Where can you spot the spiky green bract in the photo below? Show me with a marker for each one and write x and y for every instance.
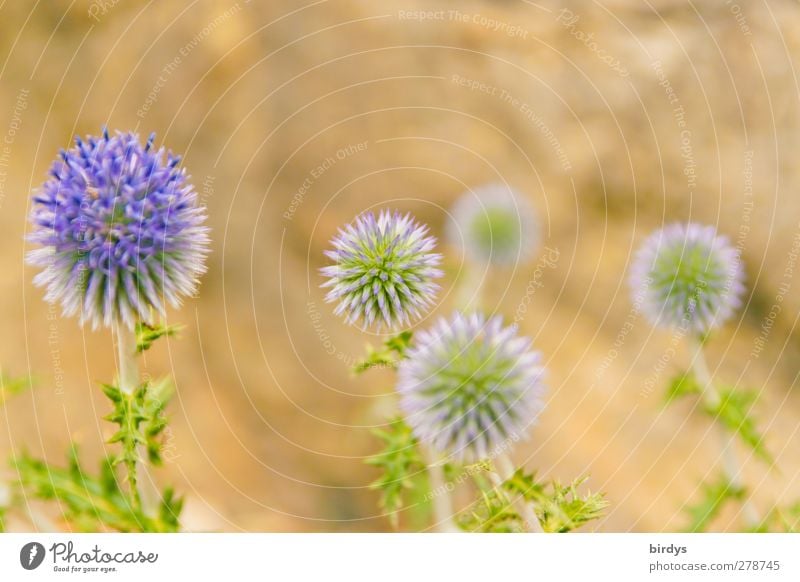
(384, 270)
(389, 356)
(470, 387)
(559, 508)
(685, 276)
(120, 229)
(147, 334)
(495, 225)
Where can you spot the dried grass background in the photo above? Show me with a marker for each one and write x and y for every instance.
(269, 428)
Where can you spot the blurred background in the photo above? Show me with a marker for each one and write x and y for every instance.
(613, 117)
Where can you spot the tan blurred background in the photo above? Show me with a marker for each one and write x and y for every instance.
(613, 116)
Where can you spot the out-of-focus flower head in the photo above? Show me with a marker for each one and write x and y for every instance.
(495, 224)
(684, 275)
(469, 387)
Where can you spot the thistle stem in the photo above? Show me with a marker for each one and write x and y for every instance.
(470, 288)
(128, 367)
(441, 499)
(525, 509)
(128, 381)
(730, 464)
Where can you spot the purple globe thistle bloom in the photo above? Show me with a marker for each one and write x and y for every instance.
(470, 387)
(687, 276)
(495, 225)
(384, 270)
(121, 231)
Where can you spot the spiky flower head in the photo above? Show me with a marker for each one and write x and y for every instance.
(120, 229)
(495, 225)
(384, 270)
(686, 276)
(470, 387)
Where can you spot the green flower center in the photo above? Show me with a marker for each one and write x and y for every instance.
(496, 230)
(687, 273)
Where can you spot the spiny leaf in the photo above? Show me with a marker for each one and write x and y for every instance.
(714, 496)
(146, 334)
(141, 420)
(733, 410)
(90, 503)
(389, 356)
(399, 461)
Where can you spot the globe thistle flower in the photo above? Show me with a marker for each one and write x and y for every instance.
(495, 225)
(687, 276)
(121, 231)
(469, 387)
(384, 270)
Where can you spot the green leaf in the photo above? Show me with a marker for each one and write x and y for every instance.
(10, 387)
(399, 461)
(733, 411)
(390, 355)
(682, 385)
(91, 503)
(146, 334)
(714, 496)
(781, 520)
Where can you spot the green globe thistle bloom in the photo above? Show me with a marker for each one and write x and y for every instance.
(384, 270)
(495, 225)
(470, 387)
(687, 276)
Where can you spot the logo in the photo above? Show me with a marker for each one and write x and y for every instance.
(31, 555)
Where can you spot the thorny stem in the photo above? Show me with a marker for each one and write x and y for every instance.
(730, 464)
(526, 510)
(442, 502)
(128, 382)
